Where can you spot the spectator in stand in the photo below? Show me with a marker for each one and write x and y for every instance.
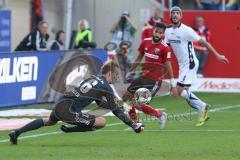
(124, 29)
(58, 43)
(207, 4)
(122, 59)
(36, 40)
(84, 36)
(147, 30)
(201, 51)
(232, 5)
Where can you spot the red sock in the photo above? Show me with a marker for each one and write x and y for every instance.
(133, 115)
(150, 111)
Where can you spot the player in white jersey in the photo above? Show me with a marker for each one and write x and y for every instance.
(180, 38)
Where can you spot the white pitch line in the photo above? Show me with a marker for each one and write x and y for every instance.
(59, 132)
(173, 130)
(48, 133)
(192, 130)
(219, 109)
(114, 124)
(34, 135)
(213, 110)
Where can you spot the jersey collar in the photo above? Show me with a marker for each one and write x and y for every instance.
(178, 26)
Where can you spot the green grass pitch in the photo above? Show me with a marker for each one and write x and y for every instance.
(218, 139)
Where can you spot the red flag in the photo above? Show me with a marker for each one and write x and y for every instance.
(36, 13)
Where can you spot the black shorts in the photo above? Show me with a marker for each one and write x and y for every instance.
(143, 82)
(65, 115)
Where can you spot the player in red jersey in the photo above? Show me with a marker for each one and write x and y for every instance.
(157, 58)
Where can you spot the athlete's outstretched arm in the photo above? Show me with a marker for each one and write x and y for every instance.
(169, 69)
(171, 76)
(118, 112)
(220, 57)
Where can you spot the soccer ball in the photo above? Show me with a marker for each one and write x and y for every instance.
(142, 95)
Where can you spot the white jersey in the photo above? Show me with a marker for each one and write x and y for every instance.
(181, 39)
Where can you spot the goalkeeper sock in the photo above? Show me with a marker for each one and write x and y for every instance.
(38, 123)
(133, 115)
(147, 109)
(193, 101)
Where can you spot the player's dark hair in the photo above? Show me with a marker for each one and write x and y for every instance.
(160, 25)
(58, 34)
(109, 66)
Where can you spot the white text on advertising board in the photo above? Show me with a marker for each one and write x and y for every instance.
(20, 69)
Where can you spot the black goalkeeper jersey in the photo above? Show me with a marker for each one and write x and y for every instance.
(92, 89)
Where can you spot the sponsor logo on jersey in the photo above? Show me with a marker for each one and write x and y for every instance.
(157, 50)
(174, 41)
(151, 56)
(169, 55)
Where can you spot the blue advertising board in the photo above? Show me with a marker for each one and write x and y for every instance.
(5, 31)
(24, 76)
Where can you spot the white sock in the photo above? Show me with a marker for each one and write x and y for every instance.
(193, 101)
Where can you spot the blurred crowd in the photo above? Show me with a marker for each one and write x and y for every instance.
(216, 5)
(122, 34)
(228, 5)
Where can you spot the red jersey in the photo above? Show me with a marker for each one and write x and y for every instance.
(156, 54)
